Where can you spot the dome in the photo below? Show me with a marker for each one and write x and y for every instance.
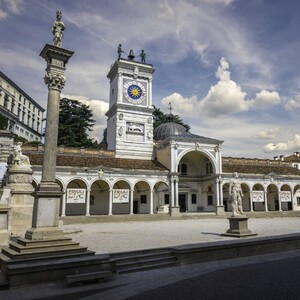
(168, 129)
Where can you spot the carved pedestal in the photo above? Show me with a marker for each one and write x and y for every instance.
(238, 227)
(21, 199)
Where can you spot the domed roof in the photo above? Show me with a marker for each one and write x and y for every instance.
(168, 129)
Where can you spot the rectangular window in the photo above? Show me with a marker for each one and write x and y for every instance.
(194, 198)
(167, 199)
(298, 201)
(209, 199)
(143, 199)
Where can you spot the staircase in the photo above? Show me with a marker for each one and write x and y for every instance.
(135, 261)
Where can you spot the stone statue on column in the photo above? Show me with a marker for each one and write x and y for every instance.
(57, 30)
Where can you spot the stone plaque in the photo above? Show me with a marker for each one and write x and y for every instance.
(258, 196)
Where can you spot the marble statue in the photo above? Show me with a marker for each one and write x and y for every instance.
(19, 158)
(236, 195)
(57, 30)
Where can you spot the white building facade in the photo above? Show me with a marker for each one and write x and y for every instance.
(163, 170)
(24, 114)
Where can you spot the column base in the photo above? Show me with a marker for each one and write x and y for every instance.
(44, 233)
(174, 210)
(220, 210)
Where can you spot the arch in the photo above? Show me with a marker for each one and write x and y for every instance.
(296, 197)
(204, 152)
(259, 205)
(79, 181)
(286, 197)
(161, 197)
(99, 197)
(273, 197)
(76, 208)
(142, 197)
(122, 208)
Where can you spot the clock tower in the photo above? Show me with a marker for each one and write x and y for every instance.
(130, 121)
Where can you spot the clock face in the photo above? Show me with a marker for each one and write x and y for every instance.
(134, 92)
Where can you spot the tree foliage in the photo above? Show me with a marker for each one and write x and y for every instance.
(160, 117)
(75, 121)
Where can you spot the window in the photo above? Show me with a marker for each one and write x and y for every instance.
(209, 200)
(298, 201)
(143, 199)
(167, 199)
(194, 198)
(182, 169)
(209, 168)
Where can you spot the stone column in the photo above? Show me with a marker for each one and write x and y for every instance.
(151, 202)
(45, 224)
(110, 202)
(279, 201)
(266, 201)
(88, 193)
(251, 201)
(64, 200)
(220, 210)
(131, 201)
(176, 191)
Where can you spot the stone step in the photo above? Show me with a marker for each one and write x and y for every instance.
(141, 257)
(26, 242)
(149, 267)
(40, 246)
(29, 271)
(43, 252)
(145, 262)
(136, 253)
(79, 279)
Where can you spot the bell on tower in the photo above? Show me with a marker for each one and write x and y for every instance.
(131, 55)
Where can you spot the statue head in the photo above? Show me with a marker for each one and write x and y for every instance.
(235, 175)
(58, 15)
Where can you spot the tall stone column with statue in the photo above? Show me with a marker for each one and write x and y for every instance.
(46, 212)
(45, 254)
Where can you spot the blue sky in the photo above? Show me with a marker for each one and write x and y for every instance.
(229, 67)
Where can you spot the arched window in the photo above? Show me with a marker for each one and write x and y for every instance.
(182, 169)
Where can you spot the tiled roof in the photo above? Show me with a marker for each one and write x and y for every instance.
(36, 159)
(257, 166)
(188, 136)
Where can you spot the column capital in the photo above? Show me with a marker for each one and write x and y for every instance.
(55, 81)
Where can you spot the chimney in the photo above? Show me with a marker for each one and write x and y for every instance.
(282, 157)
(276, 158)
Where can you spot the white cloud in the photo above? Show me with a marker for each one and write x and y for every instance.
(265, 98)
(10, 7)
(290, 145)
(267, 134)
(99, 108)
(293, 103)
(226, 97)
(181, 105)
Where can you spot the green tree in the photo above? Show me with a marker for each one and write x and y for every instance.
(3, 122)
(160, 117)
(75, 121)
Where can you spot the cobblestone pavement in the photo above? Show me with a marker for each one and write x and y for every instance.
(108, 237)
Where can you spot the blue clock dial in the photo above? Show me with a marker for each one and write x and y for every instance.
(134, 91)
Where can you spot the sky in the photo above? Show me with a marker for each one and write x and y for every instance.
(230, 68)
